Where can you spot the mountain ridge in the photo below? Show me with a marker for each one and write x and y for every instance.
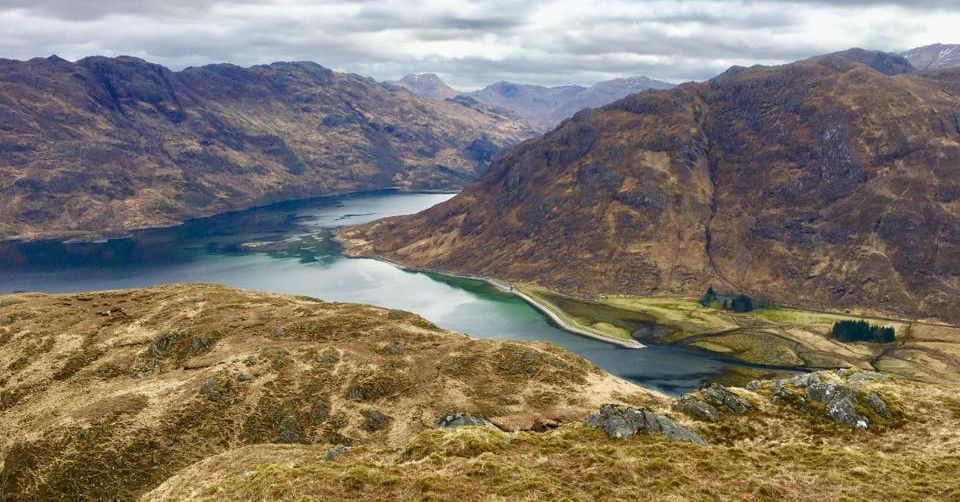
(98, 147)
(767, 180)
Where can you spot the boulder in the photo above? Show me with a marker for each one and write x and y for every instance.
(877, 405)
(843, 410)
(375, 421)
(461, 419)
(335, 452)
(696, 408)
(724, 398)
(620, 422)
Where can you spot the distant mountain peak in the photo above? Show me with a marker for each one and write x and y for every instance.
(427, 85)
(545, 107)
(934, 57)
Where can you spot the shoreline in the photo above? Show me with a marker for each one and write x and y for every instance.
(504, 287)
(91, 237)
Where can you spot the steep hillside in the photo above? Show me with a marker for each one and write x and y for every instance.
(105, 395)
(934, 57)
(105, 145)
(828, 183)
(545, 107)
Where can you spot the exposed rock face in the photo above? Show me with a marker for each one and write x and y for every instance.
(545, 107)
(934, 57)
(103, 145)
(621, 422)
(695, 407)
(461, 419)
(843, 396)
(828, 183)
(708, 403)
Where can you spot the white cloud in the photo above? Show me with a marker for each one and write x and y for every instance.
(472, 43)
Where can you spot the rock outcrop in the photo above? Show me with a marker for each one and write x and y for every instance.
(621, 422)
(707, 404)
(843, 396)
(461, 419)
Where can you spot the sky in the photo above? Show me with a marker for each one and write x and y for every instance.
(471, 43)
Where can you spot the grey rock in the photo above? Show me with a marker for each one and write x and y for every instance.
(876, 404)
(861, 377)
(5, 320)
(753, 385)
(826, 392)
(722, 397)
(843, 410)
(805, 380)
(393, 348)
(696, 408)
(375, 421)
(215, 389)
(335, 452)
(623, 421)
(243, 377)
(461, 419)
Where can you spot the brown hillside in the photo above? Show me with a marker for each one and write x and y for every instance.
(104, 145)
(828, 183)
(105, 395)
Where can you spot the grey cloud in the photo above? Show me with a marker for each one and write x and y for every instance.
(473, 43)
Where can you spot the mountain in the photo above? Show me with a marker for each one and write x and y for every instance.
(934, 57)
(426, 85)
(545, 107)
(830, 183)
(104, 145)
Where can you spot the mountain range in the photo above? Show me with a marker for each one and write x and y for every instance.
(104, 145)
(832, 182)
(540, 106)
(934, 57)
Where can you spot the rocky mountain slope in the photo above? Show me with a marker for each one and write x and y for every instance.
(934, 57)
(426, 85)
(104, 145)
(545, 107)
(828, 183)
(141, 383)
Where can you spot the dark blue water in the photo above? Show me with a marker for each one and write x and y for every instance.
(222, 250)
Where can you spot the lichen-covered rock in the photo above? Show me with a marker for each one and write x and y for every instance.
(696, 408)
(623, 421)
(837, 394)
(375, 421)
(843, 410)
(461, 419)
(877, 405)
(335, 452)
(862, 377)
(724, 398)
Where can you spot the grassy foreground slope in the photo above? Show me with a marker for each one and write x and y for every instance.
(105, 395)
(775, 452)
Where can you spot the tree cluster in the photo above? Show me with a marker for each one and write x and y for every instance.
(862, 331)
(736, 303)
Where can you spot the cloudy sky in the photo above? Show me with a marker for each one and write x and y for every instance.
(470, 43)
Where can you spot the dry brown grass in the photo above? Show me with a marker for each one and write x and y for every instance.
(185, 372)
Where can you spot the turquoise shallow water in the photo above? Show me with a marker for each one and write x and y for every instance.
(212, 250)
